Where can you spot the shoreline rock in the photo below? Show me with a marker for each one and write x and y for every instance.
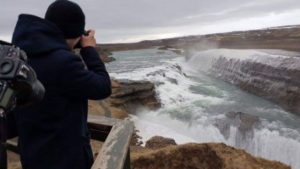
(127, 98)
(107, 59)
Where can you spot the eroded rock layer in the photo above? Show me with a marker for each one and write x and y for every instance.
(276, 79)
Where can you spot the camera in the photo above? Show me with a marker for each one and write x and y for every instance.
(78, 45)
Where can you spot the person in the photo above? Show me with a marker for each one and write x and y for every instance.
(54, 134)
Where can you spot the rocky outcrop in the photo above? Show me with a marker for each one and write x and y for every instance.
(199, 156)
(127, 98)
(127, 92)
(105, 55)
(276, 79)
(132, 95)
(158, 142)
(107, 59)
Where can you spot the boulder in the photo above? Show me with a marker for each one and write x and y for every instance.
(158, 142)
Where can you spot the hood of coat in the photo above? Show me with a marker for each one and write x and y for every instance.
(37, 36)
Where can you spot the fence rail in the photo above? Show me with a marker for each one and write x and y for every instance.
(114, 153)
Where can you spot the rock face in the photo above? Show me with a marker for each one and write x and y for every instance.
(127, 97)
(199, 156)
(130, 95)
(276, 79)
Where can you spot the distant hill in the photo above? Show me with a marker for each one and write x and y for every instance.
(284, 37)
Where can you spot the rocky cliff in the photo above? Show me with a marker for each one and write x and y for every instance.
(274, 78)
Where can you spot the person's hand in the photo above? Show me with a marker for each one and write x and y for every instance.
(89, 40)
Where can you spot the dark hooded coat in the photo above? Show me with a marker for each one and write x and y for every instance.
(54, 134)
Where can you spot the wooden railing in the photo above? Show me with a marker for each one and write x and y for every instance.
(116, 135)
(114, 153)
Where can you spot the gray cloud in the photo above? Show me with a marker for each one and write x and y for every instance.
(129, 20)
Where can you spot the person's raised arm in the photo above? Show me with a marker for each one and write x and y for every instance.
(91, 83)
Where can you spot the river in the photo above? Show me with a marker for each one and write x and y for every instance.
(195, 106)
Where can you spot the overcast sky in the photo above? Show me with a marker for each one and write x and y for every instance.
(135, 20)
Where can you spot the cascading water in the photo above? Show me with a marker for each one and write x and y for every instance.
(196, 105)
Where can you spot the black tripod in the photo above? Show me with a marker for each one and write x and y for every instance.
(3, 131)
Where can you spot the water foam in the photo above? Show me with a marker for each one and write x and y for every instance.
(185, 114)
(264, 142)
(275, 58)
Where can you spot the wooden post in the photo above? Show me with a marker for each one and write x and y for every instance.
(114, 153)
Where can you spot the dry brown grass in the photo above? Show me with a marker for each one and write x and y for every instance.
(199, 156)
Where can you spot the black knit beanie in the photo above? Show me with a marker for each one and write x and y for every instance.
(68, 16)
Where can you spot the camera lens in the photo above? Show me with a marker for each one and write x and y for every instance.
(6, 67)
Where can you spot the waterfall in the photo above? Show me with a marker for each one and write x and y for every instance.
(196, 103)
